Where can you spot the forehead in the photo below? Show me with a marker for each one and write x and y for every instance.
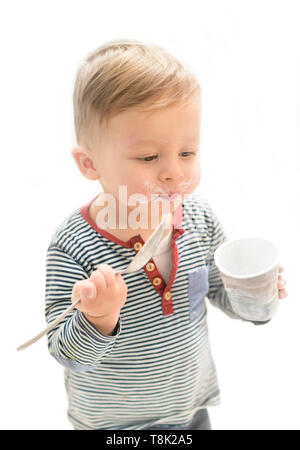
(140, 126)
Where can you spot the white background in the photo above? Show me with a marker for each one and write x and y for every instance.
(246, 55)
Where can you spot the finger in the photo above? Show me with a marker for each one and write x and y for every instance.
(281, 269)
(98, 279)
(281, 283)
(282, 293)
(109, 274)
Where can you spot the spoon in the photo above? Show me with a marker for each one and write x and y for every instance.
(140, 259)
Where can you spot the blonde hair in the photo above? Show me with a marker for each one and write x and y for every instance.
(124, 74)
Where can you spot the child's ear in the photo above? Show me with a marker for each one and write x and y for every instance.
(85, 163)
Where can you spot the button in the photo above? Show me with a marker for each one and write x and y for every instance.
(150, 266)
(167, 295)
(137, 246)
(156, 281)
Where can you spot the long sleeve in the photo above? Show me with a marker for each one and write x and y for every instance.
(74, 342)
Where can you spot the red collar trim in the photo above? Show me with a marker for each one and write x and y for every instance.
(84, 210)
(177, 226)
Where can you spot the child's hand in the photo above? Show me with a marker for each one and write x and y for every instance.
(282, 293)
(102, 295)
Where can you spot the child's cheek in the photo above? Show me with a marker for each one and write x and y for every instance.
(188, 186)
(195, 181)
(134, 192)
(142, 187)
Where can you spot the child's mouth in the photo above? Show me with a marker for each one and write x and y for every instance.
(170, 196)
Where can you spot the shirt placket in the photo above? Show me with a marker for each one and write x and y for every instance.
(151, 271)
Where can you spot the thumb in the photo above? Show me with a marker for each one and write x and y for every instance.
(83, 289)
(87, 290)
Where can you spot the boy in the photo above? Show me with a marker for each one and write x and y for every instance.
(136, 349)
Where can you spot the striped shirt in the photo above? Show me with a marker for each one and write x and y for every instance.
(157, 368)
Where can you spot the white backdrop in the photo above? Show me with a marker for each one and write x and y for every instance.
(246, 55)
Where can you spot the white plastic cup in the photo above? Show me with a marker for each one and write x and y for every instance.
(249, 270)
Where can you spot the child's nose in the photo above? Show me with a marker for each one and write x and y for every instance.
(171, 171)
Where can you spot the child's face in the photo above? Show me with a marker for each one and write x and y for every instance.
(150, 152)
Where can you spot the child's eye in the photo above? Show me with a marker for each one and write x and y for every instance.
(147, 158)
(188, 153)
(151, 158)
